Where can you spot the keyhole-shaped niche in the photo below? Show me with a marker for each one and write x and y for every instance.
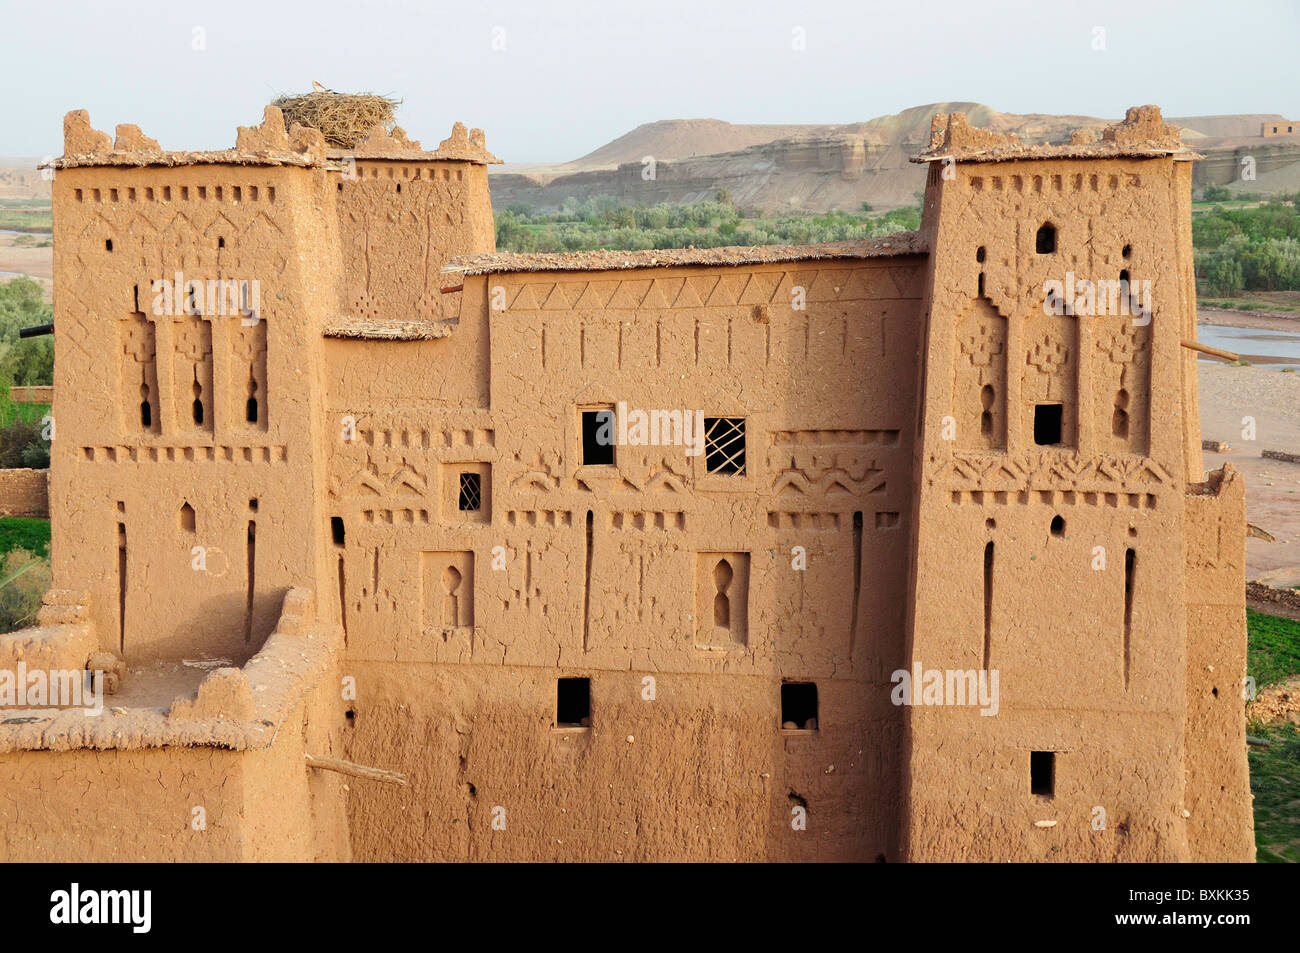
(979, 378)
(1119, 419)
(721, 601)
(451, 580)
(722, 576)
(446, 591)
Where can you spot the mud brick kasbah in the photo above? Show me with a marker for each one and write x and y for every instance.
(363, 581)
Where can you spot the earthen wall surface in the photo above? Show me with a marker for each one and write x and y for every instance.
(24, 492)
(608, 572)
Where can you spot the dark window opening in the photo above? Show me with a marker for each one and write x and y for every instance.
(987, 399)
(1058, 526)
(146, 415)
(1119, 419)
(724, 445)
(1042, 773)
(252, 505)
(1047, 424)
(598, 438)
(1128, 250)
(108, 244)
(799, 706)
(573, 703)
(221, 242)
(981, 284)
(1123, 277)
(336, 528)
(250, 410)
(197, 406)
(979, 254)
(1045, 241)
(722, 576)
(470, 492)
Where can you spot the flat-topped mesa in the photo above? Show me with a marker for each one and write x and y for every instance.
(1142, 134)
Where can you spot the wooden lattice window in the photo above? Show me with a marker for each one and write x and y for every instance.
(724, 445)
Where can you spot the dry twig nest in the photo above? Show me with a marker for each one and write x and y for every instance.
(344, 120)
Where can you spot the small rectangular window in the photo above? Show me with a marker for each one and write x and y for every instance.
(799, 706)
(336, 529)
(573, 703)
(1042, 773)
(724, 445)
(471, 492)
(1047, 424)
(598, 436)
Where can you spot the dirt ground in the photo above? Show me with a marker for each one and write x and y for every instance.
(28, 260)
(1264, 320)
(1272, 398)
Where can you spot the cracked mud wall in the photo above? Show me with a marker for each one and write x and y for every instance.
(1218, 774)
(1007, 574)
(701, 772)
(185, 441)
(827, 395)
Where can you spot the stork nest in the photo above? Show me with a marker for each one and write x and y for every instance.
(343, 120)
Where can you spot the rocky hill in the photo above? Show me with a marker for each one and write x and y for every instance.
(794, 168)
(19, 179)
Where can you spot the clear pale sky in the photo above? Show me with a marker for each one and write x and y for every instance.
(573, 75)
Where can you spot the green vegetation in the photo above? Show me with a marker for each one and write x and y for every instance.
(1273, 655)
(1255, 249)
(29, 361)
(1275, 782)
(1273, 649)
(24, 578)
(32, 535)
(22, 221)
(1222, 195)
(23, 435)
(1242, 304)
(601, 222)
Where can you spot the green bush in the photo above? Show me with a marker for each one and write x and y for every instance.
(1248, 249)
(24, 578)
(1220, 274)
(601, 222)
(20, 532)
(29, 361)
(1273, 655)
(16, 439)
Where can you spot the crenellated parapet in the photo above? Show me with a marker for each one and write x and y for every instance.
(1143, 133)
(265, 144)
